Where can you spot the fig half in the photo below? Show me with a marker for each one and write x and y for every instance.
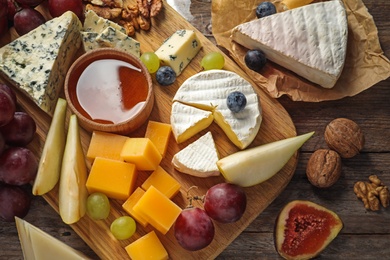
(304, 229)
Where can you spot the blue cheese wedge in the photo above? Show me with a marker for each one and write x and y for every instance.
(208, 90)
(179, 49)
(310, 41)
(186, 121)
(198, 158)
(113, 38)
(38, 245)
(99, 32)
(38, 61)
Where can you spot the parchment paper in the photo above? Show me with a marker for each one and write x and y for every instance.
(365, 63)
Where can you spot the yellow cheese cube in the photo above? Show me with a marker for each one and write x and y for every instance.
(129, 204)
(106, 145)
(157, 209)
(114, 178)
(162, 181)
(147, 247)
(159, 134)
(142, 152)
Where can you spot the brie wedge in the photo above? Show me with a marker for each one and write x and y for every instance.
(38, 245)
(208, 91)
(310, 41)
(198, 158)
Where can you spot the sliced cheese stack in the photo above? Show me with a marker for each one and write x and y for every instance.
(38, 61)
(310, 41)
(38, 245)
(207, 92)
(198, 158)
(99, 32)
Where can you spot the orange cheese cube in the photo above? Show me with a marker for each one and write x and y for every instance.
(129, 204)
(162, 181)
(147, 247)
(157, 209)
(142, 152)
(114, 178)
(106, 145)
(159, 134)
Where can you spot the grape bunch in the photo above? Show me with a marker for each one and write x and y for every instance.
(18, 164)
(223, 202)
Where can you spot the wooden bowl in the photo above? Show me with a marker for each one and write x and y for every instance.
(109, 90)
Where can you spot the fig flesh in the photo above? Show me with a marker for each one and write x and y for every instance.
(304, 229)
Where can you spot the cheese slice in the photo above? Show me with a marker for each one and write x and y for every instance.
(209, 90)
(310, 41)
(38, 61)
(187, 121)
(38, 245)
(198, 158)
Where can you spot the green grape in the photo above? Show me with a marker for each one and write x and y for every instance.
(123, 227)
(98, 206)
(213, 60)
(151, 61)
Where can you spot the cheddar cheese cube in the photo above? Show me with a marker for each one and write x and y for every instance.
(114, 178)
(147, 247)
(142, 152)
(162, 181)
(129, 204)
(157, 209)
(106, 145)
(159, 134)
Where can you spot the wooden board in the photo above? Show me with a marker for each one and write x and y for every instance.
(276, 125)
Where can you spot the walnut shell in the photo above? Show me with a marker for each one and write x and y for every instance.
(324, 168)
(345, 137)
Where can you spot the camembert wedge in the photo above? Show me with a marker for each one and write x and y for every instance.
(198, 158)
(310, 41)
(38, 61)
(38, 245)
(208, 91)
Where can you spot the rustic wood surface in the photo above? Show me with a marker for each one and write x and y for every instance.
(366, 234)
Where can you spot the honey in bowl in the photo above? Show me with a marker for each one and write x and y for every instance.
(109, 90)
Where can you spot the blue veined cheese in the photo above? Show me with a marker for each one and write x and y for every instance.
(89, 41)
(179, 49)
(111, 37)
(38, 61)
(198, 158)
(95, 23)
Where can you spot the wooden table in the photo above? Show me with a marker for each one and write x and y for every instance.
(366, 234)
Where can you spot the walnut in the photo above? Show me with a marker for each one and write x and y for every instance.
(149, 8)
(373, 193)
(105, 12)
(345, 137)
(324, 168)
(109, 3)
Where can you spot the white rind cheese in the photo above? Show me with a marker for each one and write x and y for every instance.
(38, 61)
(310, 41)
(38, 245)
(209, 90)
(186, 121)
(198, 158)
(179, 49)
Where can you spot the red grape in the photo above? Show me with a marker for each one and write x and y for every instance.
(18, 166)
(58, 7)
(27, 20)
(13, 7)
(31, 3)
(14, 201)
(194, 229)
(3, 17)
(2, 144)
(7, 105)
(20, 130)
(225, 202)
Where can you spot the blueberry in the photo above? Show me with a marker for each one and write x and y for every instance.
(165, 75)
(255, 59)
(236, 101)
(265, 9)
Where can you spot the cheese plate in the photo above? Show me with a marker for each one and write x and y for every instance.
(276, 124)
